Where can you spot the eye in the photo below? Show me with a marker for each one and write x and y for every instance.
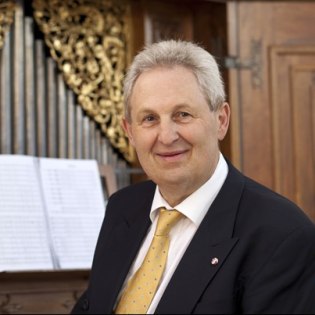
(183, 116)
(149, 120)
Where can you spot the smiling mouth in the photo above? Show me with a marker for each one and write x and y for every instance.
(172, 156)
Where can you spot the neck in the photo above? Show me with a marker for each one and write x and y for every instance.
(175, 194)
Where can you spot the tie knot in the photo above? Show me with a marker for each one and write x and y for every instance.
(167, 219)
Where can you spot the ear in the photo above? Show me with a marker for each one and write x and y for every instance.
(223, 116)
(128, 130)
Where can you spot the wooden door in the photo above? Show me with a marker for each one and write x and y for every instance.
(272, 89)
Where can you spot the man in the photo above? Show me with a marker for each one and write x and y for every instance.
(199, 237)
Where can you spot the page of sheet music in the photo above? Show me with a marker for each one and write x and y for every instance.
(24, 241)
(75, 207)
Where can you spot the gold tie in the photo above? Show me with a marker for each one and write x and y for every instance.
(141, 289)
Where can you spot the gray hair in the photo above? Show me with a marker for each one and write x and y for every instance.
(178, 53)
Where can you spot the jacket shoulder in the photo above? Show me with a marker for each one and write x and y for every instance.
(133, 192)
(270, 228)
(270, 212)
(132, 197)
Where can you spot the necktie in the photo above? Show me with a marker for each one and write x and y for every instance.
(141, 289)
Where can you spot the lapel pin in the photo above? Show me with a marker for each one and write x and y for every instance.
(214, 261)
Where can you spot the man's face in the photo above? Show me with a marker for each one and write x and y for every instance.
(173, 129)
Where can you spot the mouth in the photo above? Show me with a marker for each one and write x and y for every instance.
(172, 156)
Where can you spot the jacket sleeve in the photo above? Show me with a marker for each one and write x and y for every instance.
(286, 282)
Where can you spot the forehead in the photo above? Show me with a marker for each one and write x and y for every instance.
(160, 85)
(165, 73)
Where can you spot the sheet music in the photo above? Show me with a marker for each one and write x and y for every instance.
(75, 208)
(23, 234)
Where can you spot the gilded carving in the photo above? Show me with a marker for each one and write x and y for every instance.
(6, 18)
(88, 40)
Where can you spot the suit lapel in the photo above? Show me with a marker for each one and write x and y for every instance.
(117, 255)
(206, 254)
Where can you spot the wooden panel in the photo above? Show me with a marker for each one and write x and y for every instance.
(37, 302)
(293, 70)
(52, 292)
(167, 20)
(251, 107)
(303, 89)
(272, 79)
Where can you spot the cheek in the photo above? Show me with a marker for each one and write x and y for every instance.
(201, 135)
(144, 141)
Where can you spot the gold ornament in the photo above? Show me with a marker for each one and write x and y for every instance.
(6, 18)
(87, 39)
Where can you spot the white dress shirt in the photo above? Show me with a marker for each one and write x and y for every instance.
(194, 208)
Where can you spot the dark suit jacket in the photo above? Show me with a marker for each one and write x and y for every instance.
(265, 246)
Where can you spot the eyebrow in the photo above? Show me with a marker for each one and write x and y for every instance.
(151, 110)
(181, 106)
(145, 111)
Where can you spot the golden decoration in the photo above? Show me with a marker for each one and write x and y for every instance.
(6, 18)
(87, 38)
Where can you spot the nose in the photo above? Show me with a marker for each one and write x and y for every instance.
(168, 133)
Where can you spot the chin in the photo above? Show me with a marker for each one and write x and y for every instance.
(171, 179)
(170, 174)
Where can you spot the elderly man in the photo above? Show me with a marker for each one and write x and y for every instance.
(199, 237)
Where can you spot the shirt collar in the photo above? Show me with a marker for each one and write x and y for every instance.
(196, 206)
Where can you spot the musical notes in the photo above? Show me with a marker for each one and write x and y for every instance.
(75, 208)
(51, 211)
(23, 234)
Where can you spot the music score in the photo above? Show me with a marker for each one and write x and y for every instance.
(51, 211)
